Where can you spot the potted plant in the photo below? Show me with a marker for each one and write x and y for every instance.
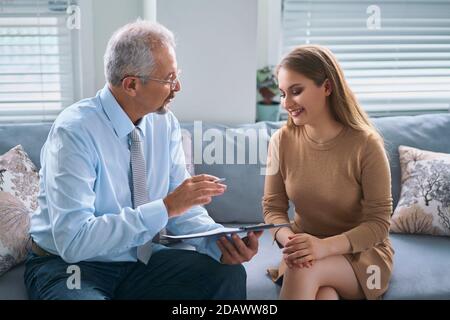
(268, 107)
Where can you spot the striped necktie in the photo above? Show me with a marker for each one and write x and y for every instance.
(140, 194)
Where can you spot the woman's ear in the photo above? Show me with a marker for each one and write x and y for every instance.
(328, 87)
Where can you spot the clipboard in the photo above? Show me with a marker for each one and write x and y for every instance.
(225, 231)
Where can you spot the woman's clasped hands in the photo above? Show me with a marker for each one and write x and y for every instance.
(302, 250)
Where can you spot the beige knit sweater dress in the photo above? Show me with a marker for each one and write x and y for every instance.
(342, 186)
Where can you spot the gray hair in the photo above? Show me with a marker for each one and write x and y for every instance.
(129, 51)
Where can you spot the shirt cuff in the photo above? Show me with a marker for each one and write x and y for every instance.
(213, 249)
(154, 215)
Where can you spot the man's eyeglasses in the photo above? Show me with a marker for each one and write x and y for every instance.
(173, 82)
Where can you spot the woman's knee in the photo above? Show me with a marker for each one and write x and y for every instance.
(303, 275)
(302, 279)
(327, 293)
(337, 273)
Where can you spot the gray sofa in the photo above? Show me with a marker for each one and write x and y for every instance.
(421, 263)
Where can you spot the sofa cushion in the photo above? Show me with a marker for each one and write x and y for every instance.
(14, 226)
(421, 263)
(19, 177)
(12, 286)
(234, 154)
(18, 198)
(242, 200)
(259, 285)
(238, 154)
(424, 132)
(421, 267)
(31, 136)
(245, 184)
(424, 206)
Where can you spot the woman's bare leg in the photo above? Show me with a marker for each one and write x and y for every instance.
(335, 272)
(327, 293)
(300, 284)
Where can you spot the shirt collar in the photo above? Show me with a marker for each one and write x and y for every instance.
(120, 121)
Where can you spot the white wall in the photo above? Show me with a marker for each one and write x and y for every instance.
(149, 9)
(269, 37)
(217, 51)
(262, 33)
(108, 16)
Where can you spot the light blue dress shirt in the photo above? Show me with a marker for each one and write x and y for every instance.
(85, 209)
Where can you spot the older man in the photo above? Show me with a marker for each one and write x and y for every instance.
(113, 176)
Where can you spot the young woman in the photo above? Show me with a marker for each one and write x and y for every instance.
(330, 162)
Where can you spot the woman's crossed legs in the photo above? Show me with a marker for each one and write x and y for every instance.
(330, 278)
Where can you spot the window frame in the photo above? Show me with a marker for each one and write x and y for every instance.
(403, 108)
(83, 77)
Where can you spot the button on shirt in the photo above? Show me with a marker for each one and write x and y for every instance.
(85, 208)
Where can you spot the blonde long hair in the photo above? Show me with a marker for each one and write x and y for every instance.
(318, 64)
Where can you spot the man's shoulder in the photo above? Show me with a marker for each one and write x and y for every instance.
(82, 114)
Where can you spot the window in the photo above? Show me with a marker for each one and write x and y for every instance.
(36, 60)
(395, 54)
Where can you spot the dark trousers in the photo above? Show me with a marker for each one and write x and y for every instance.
(170, 274)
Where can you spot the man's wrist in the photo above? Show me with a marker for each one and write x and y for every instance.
(166, 203)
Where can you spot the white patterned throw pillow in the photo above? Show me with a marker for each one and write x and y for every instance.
(19, 177)
(14, 226)
(424, 205)
(19, 187)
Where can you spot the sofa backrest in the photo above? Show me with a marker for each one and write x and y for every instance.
(243, 167)
(242, 200)
(237, 154)
(31, 136)
(427, 132)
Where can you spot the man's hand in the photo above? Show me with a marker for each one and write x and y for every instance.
(239, 250)
(194, 191)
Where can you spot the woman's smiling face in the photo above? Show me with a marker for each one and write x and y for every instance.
(305, 102)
